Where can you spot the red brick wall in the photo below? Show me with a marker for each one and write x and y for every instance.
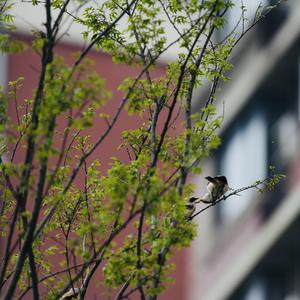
(27, 65)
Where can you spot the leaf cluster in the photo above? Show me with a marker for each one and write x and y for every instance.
(129, 218)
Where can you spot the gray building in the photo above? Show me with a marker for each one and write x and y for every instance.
(248, 247)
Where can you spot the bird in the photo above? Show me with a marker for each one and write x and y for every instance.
(217, 186)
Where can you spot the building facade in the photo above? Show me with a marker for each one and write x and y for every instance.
(248, 246)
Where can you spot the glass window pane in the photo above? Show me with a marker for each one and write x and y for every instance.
(243, 162)
(256, 291)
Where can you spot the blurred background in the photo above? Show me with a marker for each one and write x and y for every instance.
(248, 247)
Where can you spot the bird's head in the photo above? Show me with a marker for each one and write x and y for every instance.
(222, 179)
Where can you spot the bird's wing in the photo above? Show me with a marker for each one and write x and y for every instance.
(226, 188)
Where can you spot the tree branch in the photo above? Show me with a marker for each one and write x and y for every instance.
(233, 193)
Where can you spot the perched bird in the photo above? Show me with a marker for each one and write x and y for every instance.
(217, 187)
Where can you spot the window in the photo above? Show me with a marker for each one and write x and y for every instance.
(265, 132)
(285, 133)
(256, 290)
(243, 159)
